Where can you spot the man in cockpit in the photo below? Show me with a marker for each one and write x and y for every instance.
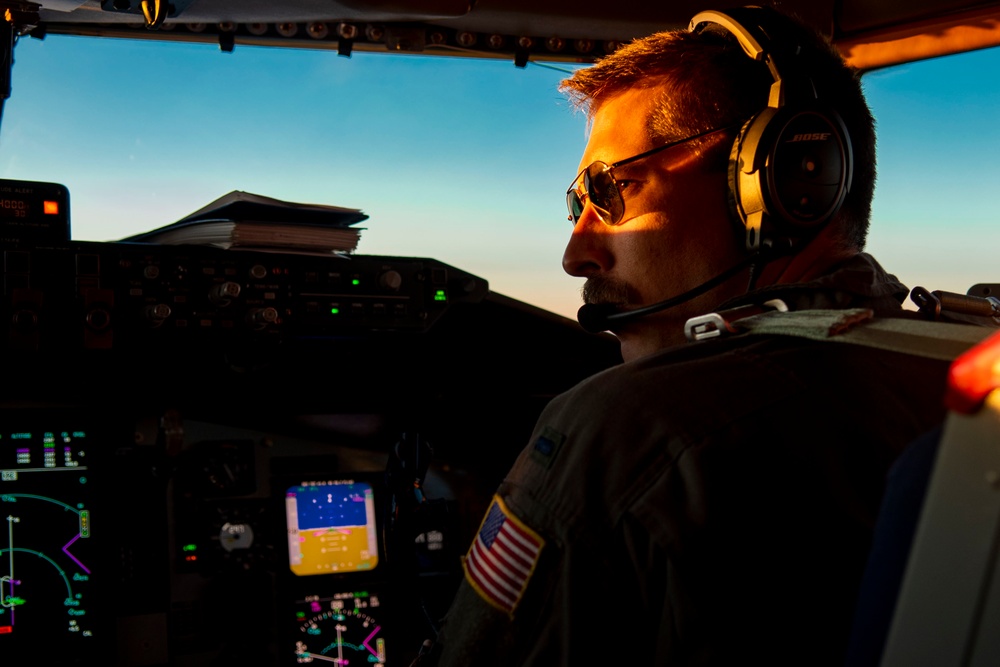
(706, 502)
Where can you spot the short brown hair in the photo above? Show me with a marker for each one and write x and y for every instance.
(713, 83)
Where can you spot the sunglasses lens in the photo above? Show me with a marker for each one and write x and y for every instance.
(603, 193)
(574, 204)
(597, 183)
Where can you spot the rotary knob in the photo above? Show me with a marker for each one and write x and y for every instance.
(262, 317)
(222, 294)
(155, 315)
(390, 280)
(24, 320)
(98, 319)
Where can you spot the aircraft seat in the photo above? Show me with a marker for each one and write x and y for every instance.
(931, 592)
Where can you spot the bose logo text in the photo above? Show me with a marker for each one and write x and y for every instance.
(815, 136)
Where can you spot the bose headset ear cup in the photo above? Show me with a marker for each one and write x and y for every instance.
(808, 168)
(791, 165)
(789, 172)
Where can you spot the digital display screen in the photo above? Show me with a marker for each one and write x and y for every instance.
(32, 211)
(48, 584)
(24, 208)
(331, 527)
(345, 628)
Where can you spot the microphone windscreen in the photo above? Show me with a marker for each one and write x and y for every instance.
(593, 317)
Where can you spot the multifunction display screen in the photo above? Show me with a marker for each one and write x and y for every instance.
(331, 527)
(49, 581)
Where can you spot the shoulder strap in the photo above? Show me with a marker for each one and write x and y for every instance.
(859, 326)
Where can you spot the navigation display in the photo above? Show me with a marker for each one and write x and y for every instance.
(48, 582)
(331, 527)
(344, 627)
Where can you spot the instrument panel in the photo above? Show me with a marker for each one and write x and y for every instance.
(127, 295)
(187, 482)
(233, 551)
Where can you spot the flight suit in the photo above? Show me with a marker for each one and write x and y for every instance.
(708, 504)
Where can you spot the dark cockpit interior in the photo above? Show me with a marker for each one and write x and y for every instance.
(240, 457)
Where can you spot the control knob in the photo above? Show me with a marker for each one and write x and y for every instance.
(390, 280)
(261, 317)
(24, 320)
(155, 315)
(222, 294)
(98, 319)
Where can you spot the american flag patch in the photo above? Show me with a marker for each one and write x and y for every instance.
(502, 557)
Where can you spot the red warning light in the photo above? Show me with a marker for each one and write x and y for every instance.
(973, 375)
(50, 207)
(6, 629)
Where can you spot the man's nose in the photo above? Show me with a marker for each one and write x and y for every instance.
(587, 252)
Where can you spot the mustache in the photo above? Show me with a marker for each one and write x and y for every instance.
(605, 290)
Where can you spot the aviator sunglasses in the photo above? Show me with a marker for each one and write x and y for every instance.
(597, 183)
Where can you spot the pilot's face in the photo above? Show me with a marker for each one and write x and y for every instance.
(675, 232)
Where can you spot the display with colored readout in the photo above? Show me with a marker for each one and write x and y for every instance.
(345, 628)
(48, 586)
(33, 212)
(331, 527)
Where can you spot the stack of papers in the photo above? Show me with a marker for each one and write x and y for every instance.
(249, 221)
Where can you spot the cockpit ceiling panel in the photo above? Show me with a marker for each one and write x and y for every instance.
(871, 34)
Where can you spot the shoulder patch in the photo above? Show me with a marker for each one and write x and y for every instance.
(546, 446)
(502, 558)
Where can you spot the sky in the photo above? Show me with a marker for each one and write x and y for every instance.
(462, 160)
(935, 221)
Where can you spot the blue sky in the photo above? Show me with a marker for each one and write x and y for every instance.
(935, 218)
(462, 160)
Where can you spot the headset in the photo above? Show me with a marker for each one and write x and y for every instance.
(791, 165)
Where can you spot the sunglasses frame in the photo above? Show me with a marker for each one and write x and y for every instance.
(607, 216)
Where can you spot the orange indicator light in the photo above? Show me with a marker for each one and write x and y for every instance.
(973, 375)
(50, 207)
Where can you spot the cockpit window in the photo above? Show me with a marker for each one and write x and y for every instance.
(458, 159)
(462, 160)
(935, 222)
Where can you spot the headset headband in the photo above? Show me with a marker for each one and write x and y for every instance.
(791, 165)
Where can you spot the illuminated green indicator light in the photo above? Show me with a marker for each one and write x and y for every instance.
(335, 311)
(440, 295)
(190, 547)
(300, 614)
(355, 282)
